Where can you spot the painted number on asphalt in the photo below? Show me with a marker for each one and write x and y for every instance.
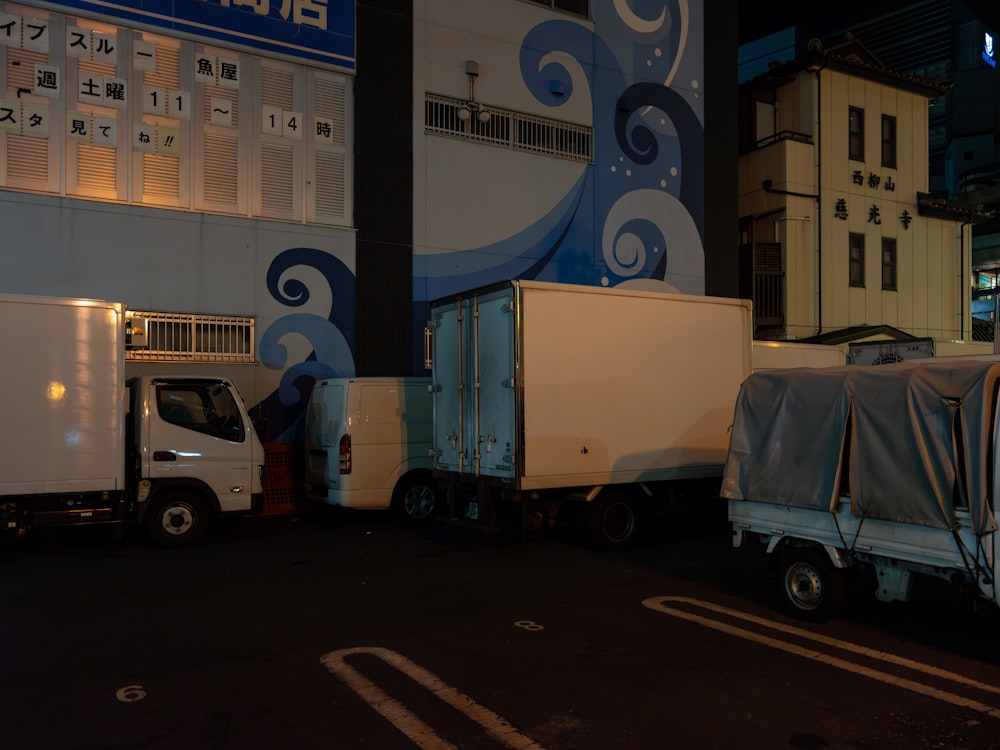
(131, 693)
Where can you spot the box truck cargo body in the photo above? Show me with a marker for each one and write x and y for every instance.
(891, 471)
(85, 446)
(563, 397)
(782, 355)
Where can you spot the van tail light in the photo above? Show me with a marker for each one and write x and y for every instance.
(345, 454)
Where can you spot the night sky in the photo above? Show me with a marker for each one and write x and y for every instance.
(817, 18)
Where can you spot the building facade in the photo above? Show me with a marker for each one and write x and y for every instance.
(838, 228)
(945, 40)
(318, 170)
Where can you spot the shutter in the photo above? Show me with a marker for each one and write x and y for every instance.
(161, 175)
(276, 180)
(168, 66)
(277, 155)
(96, 173)
(329, 104)
(330, 187)
(277, 87)
(220, 162)
(221, 171)
(21, 68)
(161, 178)
(27, 161)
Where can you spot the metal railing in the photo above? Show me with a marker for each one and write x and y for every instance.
(769, 298)
(182, 337)
(482, 123)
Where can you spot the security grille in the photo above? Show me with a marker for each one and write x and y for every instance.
(473, 121)
(181, 337)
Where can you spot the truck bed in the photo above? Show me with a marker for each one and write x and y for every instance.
(912, 543)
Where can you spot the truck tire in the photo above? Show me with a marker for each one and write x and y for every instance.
(810, 587)
(611, 520)
(176, 518)
(415, 498)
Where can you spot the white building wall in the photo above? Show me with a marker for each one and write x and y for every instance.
(469, 194)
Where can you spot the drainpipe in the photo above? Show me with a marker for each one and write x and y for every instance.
(817, 60)
(963, 280)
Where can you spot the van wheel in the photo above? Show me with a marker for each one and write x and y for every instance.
(810, 587)
(611, 520)
(415, 498)
(176, 518)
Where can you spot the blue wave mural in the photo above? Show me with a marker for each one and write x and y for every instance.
(634, 217)
(279, 417)
(637, 213)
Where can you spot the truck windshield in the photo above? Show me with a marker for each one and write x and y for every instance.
(206, 408)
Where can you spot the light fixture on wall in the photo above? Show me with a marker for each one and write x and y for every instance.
(472, 107)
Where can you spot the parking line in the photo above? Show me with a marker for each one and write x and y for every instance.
(405, 720)
(660, 604)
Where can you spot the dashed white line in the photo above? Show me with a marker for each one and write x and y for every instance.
(662, 604)
(405, 720)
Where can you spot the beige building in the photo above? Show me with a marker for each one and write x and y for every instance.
(840, 239)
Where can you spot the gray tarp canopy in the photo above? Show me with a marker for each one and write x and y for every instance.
(917, 438)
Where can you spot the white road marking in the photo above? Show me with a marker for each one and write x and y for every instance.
(405, 720)
(660, 604)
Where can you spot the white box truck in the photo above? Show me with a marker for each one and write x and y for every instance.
(83, 446)
(891, 471)
(583, 403)
(782, 355)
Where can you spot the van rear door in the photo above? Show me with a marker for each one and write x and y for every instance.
(325, 424)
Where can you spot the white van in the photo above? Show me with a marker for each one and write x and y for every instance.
(367, 445)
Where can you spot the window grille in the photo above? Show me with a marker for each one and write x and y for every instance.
(181, 337)
(482, 123)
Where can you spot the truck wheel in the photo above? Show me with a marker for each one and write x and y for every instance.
(177, 518)
(811, 588)
(415, 498)
(611, 520)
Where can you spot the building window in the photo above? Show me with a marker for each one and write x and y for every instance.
(856, 146)
(857, 271)
(580, 7)
(184, 337)
(889, 264)
(888, 141)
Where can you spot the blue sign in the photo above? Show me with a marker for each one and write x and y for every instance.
(318, 30)
(989, 54)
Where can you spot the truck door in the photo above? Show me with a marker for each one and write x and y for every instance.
(197, 430)
(446, 390)
(493, 430)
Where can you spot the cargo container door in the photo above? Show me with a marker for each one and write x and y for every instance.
(494, 428)
(446, 390)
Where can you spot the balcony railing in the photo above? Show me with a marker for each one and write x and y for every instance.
(768, 298)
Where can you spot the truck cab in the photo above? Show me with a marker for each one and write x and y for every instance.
(196, 454)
